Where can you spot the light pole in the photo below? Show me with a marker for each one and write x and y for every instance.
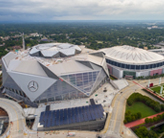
(148, 83)
(160, 81)
(161, 91)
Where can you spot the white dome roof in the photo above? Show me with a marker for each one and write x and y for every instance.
(129, 54)
(54, 49)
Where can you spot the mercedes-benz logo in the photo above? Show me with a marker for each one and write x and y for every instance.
(33, 86)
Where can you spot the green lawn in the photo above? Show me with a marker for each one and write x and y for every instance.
(142, 108)
(157, 89)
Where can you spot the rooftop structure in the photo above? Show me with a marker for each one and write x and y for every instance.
(50, 50)
(83, 118)
(158, 51)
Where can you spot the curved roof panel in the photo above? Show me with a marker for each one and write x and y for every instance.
(51, 49)
(68, 52)
(49, 53)
(34, 50)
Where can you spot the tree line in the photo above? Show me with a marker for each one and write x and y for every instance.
(142, 132)
(156, 119)
(131, 117)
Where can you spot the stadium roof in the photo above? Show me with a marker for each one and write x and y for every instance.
(55, 50)
(23, 62)
(131, 55)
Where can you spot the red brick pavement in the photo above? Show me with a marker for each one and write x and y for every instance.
(141, 121)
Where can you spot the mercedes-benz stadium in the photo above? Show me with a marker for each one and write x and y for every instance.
(53, 71)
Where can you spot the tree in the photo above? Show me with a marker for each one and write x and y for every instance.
(138, 115)
(142, 132)
(147, 120)
(128, 118)
(162, 107)
(125, 121)
(151, 120)
(133, 118)
(130, 102)
(154, 119)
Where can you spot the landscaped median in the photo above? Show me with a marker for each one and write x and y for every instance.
(139, 106)
(138, 109)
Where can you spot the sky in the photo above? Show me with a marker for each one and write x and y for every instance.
(53, 10)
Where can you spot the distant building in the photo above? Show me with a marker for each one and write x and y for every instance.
(146, 48)
(161, 43)
(154, 27)
(16, 47)
(34, 35)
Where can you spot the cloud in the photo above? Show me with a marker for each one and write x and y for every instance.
(81, 9)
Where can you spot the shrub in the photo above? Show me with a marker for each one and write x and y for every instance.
(147, 120)
(131, 117)
(142, 132)
(138, 115)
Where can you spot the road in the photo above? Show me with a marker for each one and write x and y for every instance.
(15, 114)
(116, 121)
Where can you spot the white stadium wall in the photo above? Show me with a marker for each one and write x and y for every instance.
(117, 73)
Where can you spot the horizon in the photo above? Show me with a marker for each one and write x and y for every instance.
(82, 21)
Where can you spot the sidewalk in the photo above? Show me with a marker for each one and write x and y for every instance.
(141, 121)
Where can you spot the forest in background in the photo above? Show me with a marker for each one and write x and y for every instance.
(94, 35)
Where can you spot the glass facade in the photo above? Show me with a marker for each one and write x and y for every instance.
(60, 91)
(20, 93)
(100, 80)
(135, 67)
(83, 81)
(82, 85)
(9, 83)
(128, 73)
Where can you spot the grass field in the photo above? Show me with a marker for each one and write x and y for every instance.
(157, 89)
(142, 108)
